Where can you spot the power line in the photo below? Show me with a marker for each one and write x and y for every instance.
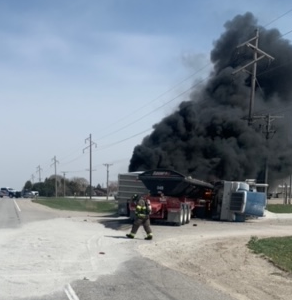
(155, 99)
(286, 33)
(274, 68)
(78, 157)
(154, 110)
(123, 140)
(281, 16)
(158, 97)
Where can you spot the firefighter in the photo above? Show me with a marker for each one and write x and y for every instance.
(142, 212)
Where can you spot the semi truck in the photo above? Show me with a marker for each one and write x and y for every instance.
(176, 198)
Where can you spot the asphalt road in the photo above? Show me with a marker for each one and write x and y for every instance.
(137, 278)
(9, 213)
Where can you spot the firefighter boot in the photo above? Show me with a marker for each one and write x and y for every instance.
(130, 235)
(149, 237)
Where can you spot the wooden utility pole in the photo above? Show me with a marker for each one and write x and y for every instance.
(55, 164)
(64, 183)
(107, 177)
(91, 143)
(253, 63)
(268, 130)
(290, 189)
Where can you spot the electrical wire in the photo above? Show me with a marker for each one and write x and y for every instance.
(157, 98)
(123, 140)
(278, 18)
(286, 33)
(155, 110)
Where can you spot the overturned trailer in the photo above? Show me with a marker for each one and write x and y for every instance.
(176, 198)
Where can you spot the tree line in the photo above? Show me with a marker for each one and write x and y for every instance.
(77, 186)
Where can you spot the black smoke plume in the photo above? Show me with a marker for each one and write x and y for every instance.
(208, 136)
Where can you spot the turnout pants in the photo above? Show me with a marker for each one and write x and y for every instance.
(141, 221)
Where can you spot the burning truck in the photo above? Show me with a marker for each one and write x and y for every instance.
(176, 198)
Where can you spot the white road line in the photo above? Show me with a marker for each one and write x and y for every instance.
(70, 292)
(16, 205)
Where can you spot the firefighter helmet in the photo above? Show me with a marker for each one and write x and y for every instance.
(135, 197)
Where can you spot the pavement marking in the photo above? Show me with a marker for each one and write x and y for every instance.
(70, 292)
(16, 205)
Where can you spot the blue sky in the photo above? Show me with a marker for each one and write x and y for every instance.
(109, 68)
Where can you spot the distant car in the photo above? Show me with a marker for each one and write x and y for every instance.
(1, 194)
(27, 195)
(35, 193)
(30, 194)
(9, 192)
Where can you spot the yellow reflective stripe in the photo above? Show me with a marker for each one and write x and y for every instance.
(140, 208)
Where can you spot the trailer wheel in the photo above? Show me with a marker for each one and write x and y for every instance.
(188, 214)
(186, 211)
(181, 216)
(184, 214)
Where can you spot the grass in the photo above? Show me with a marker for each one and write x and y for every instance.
(79, 204)
(280, 208)
(276, 249)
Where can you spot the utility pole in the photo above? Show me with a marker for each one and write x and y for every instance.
(64, 184)
(107, 176)
(268, 131)
(290, 189)
(32, 178)
(39, 169)
(256, 58)
(91, 143)
(55, 164)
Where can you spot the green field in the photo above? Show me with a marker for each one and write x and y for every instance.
(276, 249)
(280, 208)
(106, 206)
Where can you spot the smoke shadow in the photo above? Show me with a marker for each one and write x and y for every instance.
(122, 224)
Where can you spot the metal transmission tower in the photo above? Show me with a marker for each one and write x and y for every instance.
(107, 177)
(55, 164)
(91, 143)
(39, 169)
(253, 63)
(32, 178)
